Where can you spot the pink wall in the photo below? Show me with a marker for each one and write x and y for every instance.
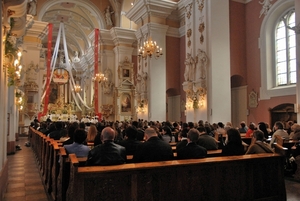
(238, 43)
(253, 68)
(182, 68)
(172, 66)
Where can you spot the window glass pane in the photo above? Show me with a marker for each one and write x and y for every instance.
(281, 68)
(281, 44)
(281, 79)
(281, 56)
(293, 65)
(293, 78)
(292, 53)
(280, 33)
(292, 20)
(292, 40)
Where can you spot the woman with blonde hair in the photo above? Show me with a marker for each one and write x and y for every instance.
(92, 132)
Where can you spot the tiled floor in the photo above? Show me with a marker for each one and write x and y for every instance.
(24, 182)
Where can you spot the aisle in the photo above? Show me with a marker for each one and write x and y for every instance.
(24, 181)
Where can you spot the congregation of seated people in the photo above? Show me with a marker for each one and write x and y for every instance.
(108, 143)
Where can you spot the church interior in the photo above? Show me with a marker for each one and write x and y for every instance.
(155, 60)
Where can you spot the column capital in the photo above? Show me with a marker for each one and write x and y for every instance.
(122, 36)
(145, 11)
(150, 28)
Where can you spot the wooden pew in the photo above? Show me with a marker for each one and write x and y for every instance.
(221, 178)
(64, 173)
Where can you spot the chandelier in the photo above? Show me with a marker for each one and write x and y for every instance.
(77, 88)
(150, 49)
(99, 77)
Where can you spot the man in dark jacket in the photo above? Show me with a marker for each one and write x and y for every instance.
(130, 142)
(154, 149)
(192, 150)
(108, 153)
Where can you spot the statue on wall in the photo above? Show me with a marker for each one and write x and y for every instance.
(76, 58)
(144, 82)
(201, 69)
(138, 83)
(32, 7)
(266, 5)
(107, 84)
(108, 14)
(189, 68)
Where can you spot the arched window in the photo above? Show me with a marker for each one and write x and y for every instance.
(277, 51)
(285, 50)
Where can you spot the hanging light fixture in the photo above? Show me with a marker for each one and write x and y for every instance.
(99, 77)
(149, 49)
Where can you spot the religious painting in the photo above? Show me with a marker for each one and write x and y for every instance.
(125, 102)
(125, 73)
(53, 93)
(60, 76)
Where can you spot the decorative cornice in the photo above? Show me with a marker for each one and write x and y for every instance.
(122, 36)
(36, 29)
(143, 8)
(173, 32)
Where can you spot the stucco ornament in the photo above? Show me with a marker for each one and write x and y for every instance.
(266, 5)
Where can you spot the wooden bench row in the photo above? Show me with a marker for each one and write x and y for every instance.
(66, 178)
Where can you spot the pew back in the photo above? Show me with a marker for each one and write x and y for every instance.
(247, 177)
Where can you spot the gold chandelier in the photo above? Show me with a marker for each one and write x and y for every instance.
(150, 48)
(99, 77)
(77, 88)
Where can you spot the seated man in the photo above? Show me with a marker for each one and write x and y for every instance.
(108, 153)
(78, 147)
(130, 142)
(205, 140)
(183, 139)
(258, 146)
(153, 149)
(192, 150)
(279, 131)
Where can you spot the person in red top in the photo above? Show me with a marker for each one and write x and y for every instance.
(250, 130)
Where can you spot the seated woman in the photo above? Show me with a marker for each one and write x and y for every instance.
(166, 134)
(234, 145)
(78, 146)
(91, 134)
(250, 130)
(258, 145)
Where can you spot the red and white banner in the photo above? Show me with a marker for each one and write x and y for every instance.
(50, 28)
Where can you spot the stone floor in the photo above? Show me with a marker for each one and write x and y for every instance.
(24, 182)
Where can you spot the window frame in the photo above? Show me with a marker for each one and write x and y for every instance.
(287, 61)
(267, 52)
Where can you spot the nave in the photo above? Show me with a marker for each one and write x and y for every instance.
(25, 183)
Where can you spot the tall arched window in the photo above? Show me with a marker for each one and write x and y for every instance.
(285, 50)
(277, 51)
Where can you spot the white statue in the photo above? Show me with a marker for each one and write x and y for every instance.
(202, 61)
(138, 82)
(144, 82)
(189, 68)
(266, 7)
(76, 58)
(108, 84)
(32, 7)
(108, 16)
